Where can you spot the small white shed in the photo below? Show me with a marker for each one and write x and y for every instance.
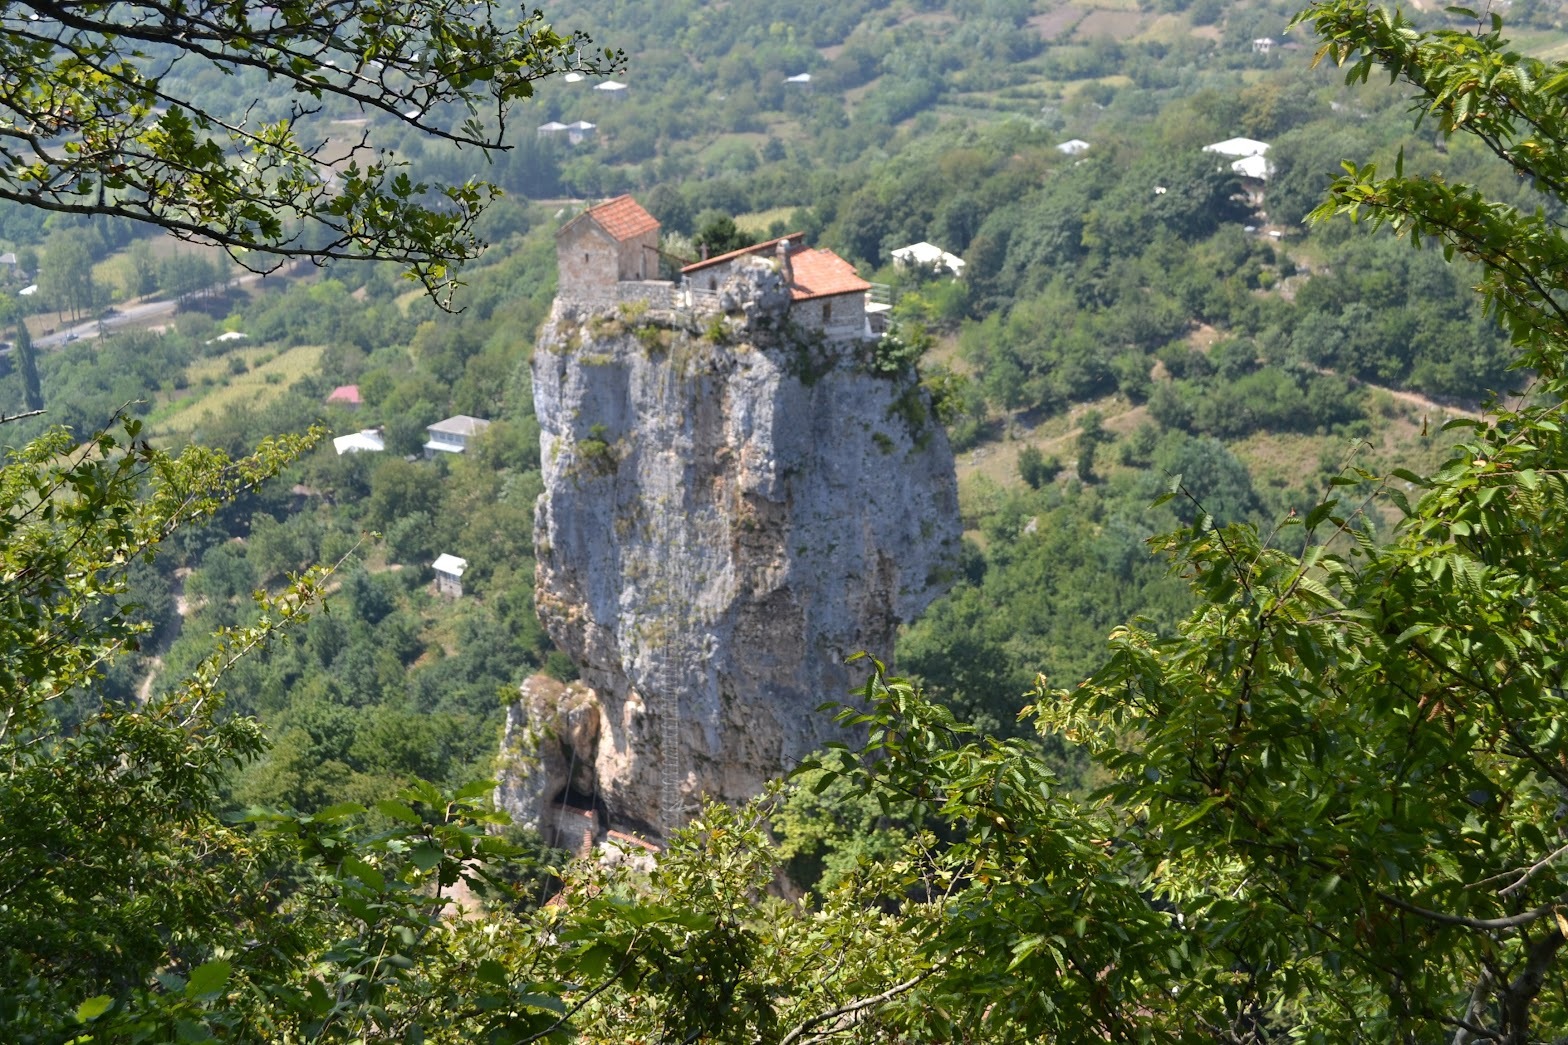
(449, 574)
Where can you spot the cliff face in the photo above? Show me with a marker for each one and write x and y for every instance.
(730, 510)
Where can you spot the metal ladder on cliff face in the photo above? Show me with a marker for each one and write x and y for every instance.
(675, 566)
(670, 746)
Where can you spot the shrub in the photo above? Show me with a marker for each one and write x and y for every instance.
(1035, 468)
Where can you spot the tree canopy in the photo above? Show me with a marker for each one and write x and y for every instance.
(1324, 805)
(1330, 801)
(101, 114)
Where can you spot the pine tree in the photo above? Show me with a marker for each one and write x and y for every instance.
(27, 362)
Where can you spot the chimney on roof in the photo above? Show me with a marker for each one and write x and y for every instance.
(786, 269)
(704, 252)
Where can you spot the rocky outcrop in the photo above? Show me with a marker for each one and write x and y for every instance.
(731, 509)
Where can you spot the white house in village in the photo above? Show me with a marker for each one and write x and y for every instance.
(1238, 148)
(449, 574)
(1073, 147)
(924, 253)
(1256, 168)
(453, 435)
(366, 440)
(1246, 155)
(1249, 160)
(610, 253)
(575, 132)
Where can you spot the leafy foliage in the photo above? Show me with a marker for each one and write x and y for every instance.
(134, 911)
(1331, 797)
(99, 123)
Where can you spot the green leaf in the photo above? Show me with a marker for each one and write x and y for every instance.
(207, 980)
(426, 855)
(93, 1008)
(398, 811)
(545, 1002)
(190, 1031)
(365, 872)
(1199, 813)
(1316, 516)
(476, 789)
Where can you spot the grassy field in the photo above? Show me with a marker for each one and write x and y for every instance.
(1118, 25)
(1405, 434)
(758, 221)
(214, 389)
(116, 270)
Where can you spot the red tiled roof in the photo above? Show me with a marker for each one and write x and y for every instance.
(623, 218)
(794, 239)
(344, 394)
(621, 836)
(820, 273)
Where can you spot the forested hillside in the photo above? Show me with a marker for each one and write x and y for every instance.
(1125, 314)
(1134, 316)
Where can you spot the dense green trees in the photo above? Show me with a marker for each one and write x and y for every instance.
(27, 366)
(1332, 788)
(116, 110)
(133, 908)
(66, 276)
(1330, 799)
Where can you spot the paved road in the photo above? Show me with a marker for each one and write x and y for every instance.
(117, 318)
(123, 315)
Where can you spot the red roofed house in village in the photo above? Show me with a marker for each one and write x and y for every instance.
(615, 242)
(345, 395)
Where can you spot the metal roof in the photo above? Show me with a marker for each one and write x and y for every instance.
(1238, 147)
(461, 424)
(449, 564)
(366, 441)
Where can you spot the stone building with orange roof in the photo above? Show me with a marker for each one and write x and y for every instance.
(826, 293)
(606, 245)
(610, 254)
